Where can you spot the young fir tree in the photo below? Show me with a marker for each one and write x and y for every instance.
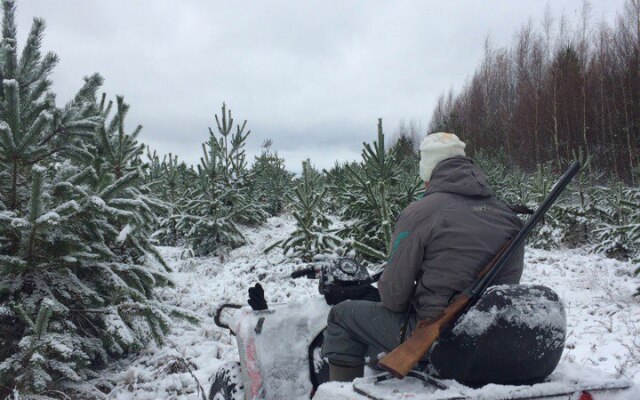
(312, 235)
(371, 195)
(271, 181)
(170, 181)
(618, 234)
(506, 182)
(76, 274)
(579, 213)
(221, 199)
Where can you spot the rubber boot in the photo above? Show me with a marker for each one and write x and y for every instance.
(344, 373)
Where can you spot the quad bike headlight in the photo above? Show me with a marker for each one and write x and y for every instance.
(348, 265)
(344, 272)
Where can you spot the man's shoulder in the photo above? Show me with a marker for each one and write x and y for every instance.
(426, 206)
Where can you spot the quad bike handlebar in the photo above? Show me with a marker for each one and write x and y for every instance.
(345, 278)
(309, 272)
(217, 318)
(313, 272)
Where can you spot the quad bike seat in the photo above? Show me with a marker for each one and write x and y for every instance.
(514, 334)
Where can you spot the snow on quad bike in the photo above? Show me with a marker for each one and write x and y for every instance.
(512, 338)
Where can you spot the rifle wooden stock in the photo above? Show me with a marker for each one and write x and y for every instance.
(404, 357)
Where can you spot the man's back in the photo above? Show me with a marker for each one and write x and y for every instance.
(446, 238)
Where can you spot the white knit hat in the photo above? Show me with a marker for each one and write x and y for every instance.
(435, 148)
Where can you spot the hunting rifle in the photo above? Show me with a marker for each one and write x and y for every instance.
(403, 358)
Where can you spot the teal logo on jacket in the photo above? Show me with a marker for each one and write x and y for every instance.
(396, 243)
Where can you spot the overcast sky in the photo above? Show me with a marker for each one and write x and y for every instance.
(313, 76)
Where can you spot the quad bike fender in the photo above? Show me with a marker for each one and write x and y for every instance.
(273, 346)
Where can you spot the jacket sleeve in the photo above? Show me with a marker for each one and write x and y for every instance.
(403, 266)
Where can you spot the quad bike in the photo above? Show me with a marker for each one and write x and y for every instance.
(275, 345)
(279, 348)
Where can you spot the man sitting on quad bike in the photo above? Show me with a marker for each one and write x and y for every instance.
(440, 244)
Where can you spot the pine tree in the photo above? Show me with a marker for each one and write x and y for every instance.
(221, 199)
(618, 234)
(371, 195)
(549, 233)
(271, 181)
(120, 172)
(170, 181)
(579, 214)
(312, 236)
(507, 183)
(77, 270)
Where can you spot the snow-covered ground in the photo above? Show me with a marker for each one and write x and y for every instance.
(603, 315)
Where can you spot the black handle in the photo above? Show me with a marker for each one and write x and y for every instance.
(308, 272)
(481, 284)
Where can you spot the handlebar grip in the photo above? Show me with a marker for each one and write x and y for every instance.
(303, 272)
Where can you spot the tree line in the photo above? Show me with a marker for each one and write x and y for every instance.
(556, 90)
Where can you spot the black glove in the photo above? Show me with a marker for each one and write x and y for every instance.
(256, 298)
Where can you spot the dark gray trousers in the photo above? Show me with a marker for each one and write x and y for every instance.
(358, 328)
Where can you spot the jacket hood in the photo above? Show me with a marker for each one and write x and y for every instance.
(459, 175)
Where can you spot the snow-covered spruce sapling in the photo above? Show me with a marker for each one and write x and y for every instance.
(371, 194)
(570, 222)
(32, 130)
(74, 221)
(221, 198)
(579, 214)
(169, 180)
(271, 181)
(507, 183)
(134, 210)
(28, 361)
(312, 236)
(560, 219)
(618, 233)
(83, 244)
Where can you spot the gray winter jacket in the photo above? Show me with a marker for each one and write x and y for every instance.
(447, 237)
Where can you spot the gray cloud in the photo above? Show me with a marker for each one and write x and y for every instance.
(313, 76)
